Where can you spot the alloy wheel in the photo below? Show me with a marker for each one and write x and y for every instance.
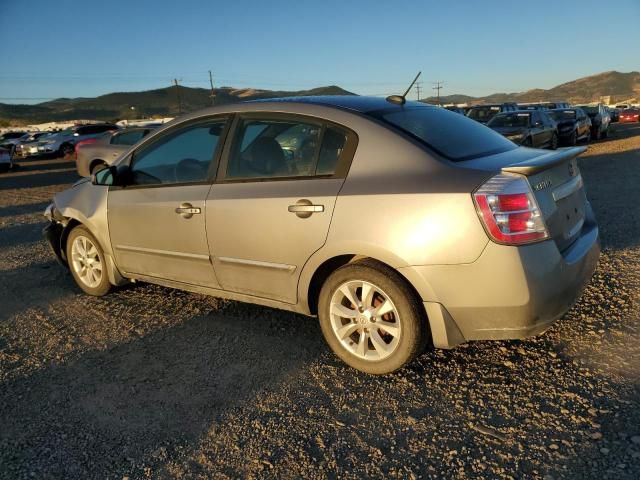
(365, 320)
(86, 261)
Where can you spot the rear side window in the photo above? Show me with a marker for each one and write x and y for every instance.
(453, 136)
(280, 148)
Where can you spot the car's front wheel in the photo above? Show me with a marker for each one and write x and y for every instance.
(371, 318)
(87, 262)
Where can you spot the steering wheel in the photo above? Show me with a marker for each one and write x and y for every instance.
(189, 170)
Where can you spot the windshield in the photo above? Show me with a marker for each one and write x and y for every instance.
(483, 114)
(564, 115)
(590, 110)
(452, 135)
(510, 120)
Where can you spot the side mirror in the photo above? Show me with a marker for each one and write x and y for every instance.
(105, 176)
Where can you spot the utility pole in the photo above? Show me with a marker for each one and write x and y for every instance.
(418, 87)
(437, 86)
(175, 81)
(213, 94)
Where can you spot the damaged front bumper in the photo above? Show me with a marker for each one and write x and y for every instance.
(53, 233)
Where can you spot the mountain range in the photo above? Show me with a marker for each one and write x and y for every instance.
(164, 101)
(616, 85)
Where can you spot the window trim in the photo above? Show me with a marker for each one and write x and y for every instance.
(155, 139)
(342, 167)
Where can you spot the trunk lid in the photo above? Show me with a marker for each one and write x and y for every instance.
(559, 190)
(555, 181)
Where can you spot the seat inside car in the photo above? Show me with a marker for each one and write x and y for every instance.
(265, 157)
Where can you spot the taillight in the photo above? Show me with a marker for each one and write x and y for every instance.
(509, 211)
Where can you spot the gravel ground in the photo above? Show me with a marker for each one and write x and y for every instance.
(150, 382)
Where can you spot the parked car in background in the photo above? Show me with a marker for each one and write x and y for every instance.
(469, 237)
(9, 140)
(484, 113)
(543, 105)
(28, 144)
(94, 154)
(614, 113)
(455, 109)
(573, 125)
(6, 160)
(63, 142)
(630, 115)
(600, 120)
(529, 128)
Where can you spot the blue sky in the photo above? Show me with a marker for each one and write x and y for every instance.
(51, 49)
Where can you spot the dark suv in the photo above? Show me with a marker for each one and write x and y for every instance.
(484, 113)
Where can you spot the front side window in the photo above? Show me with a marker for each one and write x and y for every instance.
(184, 156)
(284, 148)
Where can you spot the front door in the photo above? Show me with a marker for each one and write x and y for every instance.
(272, 206)
(157, 220)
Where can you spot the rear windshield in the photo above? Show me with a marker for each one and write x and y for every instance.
(453, 136)
(483, 114)
(510, 120)
(564, 114)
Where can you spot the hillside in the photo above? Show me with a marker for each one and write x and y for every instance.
(619, 86)
(161, 102)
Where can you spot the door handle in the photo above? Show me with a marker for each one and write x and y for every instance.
(186, 210)
(304, 208)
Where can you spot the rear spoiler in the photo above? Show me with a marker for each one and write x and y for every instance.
(544, 161)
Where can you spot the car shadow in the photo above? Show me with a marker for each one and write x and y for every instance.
(161, 390)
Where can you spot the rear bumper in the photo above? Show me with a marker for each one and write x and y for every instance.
(509, 292)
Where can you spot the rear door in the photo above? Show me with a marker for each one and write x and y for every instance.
(157, 221)
(271, 207)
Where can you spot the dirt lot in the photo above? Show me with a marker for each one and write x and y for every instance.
(153, 382)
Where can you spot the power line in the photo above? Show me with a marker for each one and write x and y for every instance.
(418, 87)
(437, 86)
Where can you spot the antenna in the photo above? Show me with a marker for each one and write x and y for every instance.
(213, 93)
(402, 99)
(175, 81)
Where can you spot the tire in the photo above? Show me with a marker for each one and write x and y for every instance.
(554, 142)
(527, 142)
(66, 149)
(355, 339)
(598, 133)
(605, 134)
(99, 165)
(84, 254)
(588, 137)
(573, 139)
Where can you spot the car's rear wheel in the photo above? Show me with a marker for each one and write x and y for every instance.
(554, 141)
(87, 262)
(371, 318)
(598, 133)
(66, 149)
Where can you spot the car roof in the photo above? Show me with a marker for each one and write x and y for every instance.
(362, 104)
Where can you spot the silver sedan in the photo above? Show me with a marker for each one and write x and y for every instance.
(399, 225)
